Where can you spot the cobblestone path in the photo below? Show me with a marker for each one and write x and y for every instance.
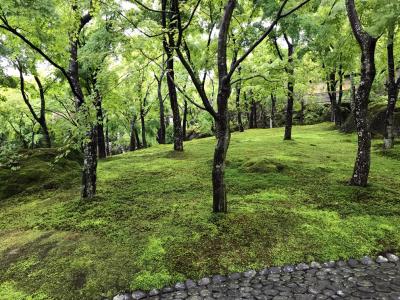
(354, 279)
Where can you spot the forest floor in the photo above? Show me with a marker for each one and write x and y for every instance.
(151, 223)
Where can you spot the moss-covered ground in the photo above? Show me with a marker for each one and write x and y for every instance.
(151, 223)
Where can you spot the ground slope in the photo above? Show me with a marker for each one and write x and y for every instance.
(151, 222)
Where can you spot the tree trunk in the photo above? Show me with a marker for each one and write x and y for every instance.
(388, 140)
(169, 45)
(238, 109)
(132, 143)
(101, 141)
(302, 108)
(138, 143)
(273, 110)
(161, 130)
(46, 134)
(89, 166)
(108, 150)
(290, 96)
(223, 137)
(331, 85)
(143, 125)
(367, 44)
(185, 114)
(339, 102)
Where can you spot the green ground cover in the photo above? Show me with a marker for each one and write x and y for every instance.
(151, 223)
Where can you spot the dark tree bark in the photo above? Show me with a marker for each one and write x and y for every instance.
(290, 90)
(253, 114)
(184, 123)
(169, 46)
(161, 129)
(108, 150)
(302, 108)
(331, 86)
(273, 110)
(133, 145)
(138, 143)
(367, 44)
(143, 126)
(339, 102)
(238, 109)
(41, 119)
(99, 127)
(392, 88)
(247, 109)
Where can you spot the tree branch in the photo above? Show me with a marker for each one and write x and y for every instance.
(279, 16)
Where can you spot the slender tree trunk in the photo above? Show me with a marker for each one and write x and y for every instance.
(352, 93)
(169, 45)
(185, 114)
(253, 114)
(138, 143)
(108, 150)
(41, 119)
(302, 108)
(388, 140)
(89, 166)
(222, 117)
(290, 96)
(132, 143)
(223, 138)
(339, 102)
(161, 130)
(239, 110)
(101, 141)
(143, 125)
(331, 85)
(367, 44)
(273, 110)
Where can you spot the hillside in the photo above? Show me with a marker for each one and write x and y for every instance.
(151, 223)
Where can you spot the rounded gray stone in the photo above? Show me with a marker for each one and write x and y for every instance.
(124, 296)
(366, 260)
(138, 295)
(288, 269)
(204, 281)
(380, 259)
(302, 267)
(352, 262)
(315, 265)
(218, 279)
(180, 286)
(392, 258)
(190, 284)
(250, 274)
(154, 292)
(274, 270)
(234, 276)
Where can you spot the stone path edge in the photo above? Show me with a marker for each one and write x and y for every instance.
(217, 279)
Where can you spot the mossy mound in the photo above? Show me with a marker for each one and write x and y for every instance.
(262, 165)
(376, 117)
(39, 169)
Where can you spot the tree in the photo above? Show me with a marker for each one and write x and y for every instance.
(367, 45)
(41, 118)
(72, 76)
(393, 90)
(221, 116)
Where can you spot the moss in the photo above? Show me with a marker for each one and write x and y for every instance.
(39, 169)
(151, 223)
(262, 165)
